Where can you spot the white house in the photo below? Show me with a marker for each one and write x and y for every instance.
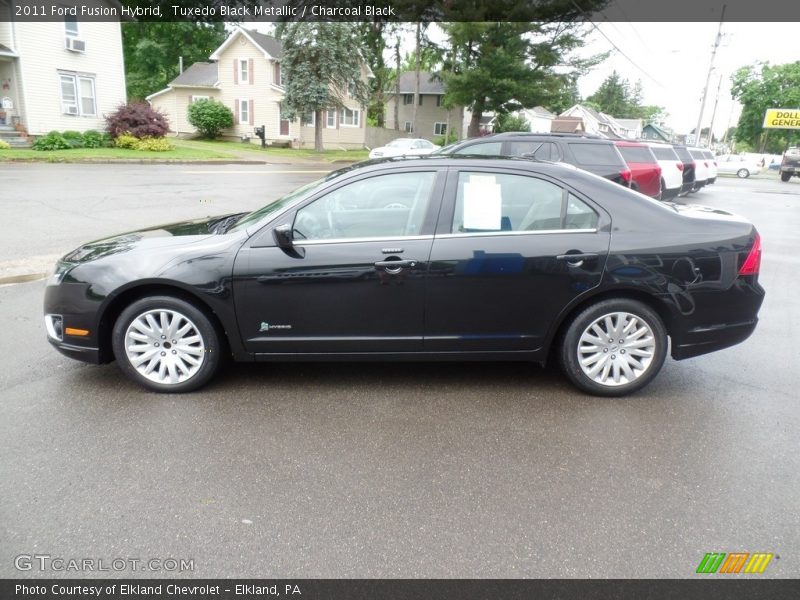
(62, 75)
(244, 73)
(599, 123)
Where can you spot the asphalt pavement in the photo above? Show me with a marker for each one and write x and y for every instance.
(388, 470)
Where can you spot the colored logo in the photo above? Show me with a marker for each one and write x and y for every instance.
(734, 562)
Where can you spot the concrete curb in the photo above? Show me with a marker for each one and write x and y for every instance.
(24, 270)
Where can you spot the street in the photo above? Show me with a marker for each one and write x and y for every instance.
(463, 470)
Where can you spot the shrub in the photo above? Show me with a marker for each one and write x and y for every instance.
(52, 141)
(4, 145)
(74, 138)
(507, 122)
(126, 140)
(138, 119)
(95, 139)
(443, 140)
(152, 144)
(210, 117)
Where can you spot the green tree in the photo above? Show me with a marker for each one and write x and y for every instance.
(616, 97)
(153, 51)
(319, 68)
(505, 66)
(612, 97)
(757, 88)
(210, 117)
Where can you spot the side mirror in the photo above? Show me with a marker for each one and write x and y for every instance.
(283, 236)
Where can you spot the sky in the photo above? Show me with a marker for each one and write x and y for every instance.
(672, 60)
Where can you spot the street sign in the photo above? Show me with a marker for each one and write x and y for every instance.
(782, 118)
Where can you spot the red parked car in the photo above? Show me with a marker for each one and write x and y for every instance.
(645, 172)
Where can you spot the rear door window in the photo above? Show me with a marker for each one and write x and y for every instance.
(498, 202)
(595, 154)
(684, 155)
(636, 154)
(664, 153)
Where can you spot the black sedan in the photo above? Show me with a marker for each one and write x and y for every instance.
(438, 258)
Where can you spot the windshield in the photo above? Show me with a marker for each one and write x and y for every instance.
(280, 203)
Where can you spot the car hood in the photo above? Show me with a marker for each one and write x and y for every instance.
(156, 238)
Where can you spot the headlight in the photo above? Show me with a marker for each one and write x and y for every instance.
(62, 268)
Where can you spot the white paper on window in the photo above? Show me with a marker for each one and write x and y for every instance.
(482, 203)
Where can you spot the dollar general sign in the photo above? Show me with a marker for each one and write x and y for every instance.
(782, 118)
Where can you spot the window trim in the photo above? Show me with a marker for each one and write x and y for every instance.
(408, 127)
(309, 121)
(244, 109)
(244, 70)
(356, 117)
(76, 79)
(408, 99)
(328, 114)
(444, 124)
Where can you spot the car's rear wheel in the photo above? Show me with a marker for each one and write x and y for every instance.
(614, 347)
(743, 173)
(166, 344)
(786, 176)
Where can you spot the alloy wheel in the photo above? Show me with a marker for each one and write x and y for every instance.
(164, 346)
(616, 349)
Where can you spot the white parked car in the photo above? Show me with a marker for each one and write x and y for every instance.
(702, 172)
(712, 166)
(738, 165)
(403, 147)
(671, 169)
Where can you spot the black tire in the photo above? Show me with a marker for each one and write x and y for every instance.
(786, 176)
(201, 344)
(638, 315)
(743, 173)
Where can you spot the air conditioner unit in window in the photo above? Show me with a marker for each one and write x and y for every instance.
(71, 110)
(75, 45)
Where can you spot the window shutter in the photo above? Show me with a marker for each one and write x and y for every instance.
(250, 72)
(190, 99)
(236, 112)
(235, 71)
(250, 111)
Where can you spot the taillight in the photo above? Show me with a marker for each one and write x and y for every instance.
(626, 175)
(752, 263)
(680, 166)
(705, 164)
(658, 171)
(715, 163)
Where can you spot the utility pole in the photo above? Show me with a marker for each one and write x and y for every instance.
(714, 114)
(708, 78)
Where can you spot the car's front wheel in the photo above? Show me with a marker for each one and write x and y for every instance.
(614, 347)
(786, 177)
(166, 344)
(743, 173)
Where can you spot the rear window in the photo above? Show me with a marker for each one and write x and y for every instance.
(595, 154)
(683, 154)
(636, 154)
(696, 154)
(707, 154)
(664, 153)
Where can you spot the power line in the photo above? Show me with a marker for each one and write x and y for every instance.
(625, 56)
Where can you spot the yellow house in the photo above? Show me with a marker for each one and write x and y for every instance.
(244, 73)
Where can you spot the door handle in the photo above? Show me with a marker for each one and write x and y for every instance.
(576, 259)
(395, 266)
